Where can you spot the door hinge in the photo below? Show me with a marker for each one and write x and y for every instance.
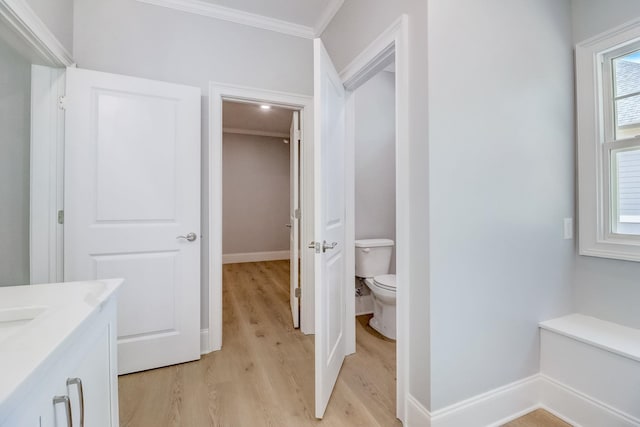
(61, 217)
(62, 102)
(297, 292)
(296, 135)
(296, 214)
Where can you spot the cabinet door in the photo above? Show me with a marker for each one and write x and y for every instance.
(93, 371)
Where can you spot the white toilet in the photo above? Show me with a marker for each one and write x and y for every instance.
(373, 257)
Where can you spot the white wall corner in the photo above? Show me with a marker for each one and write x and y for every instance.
(416, 415)
(237, 16)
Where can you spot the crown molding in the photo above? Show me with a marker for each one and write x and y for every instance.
(21, 18)
(327, 15)
(211, 10)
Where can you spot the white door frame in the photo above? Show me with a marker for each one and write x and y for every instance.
(46, 175)
(218, 92)
(393, 42)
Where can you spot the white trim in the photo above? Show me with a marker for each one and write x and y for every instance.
(239, 131)
(376, 57)
(21, 17)
(237, 16)
(218, 92)
(493, 408)
(506, 403)
(579, 409)
(255, 257)
(416, 414)
(46, 175)
(327, 16)
(204, 341)
(392, 43)
(595, 238)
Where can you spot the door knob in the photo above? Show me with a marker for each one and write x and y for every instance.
(326, 246)
(190, 237)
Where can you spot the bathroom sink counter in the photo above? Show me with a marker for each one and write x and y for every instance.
(36, 323)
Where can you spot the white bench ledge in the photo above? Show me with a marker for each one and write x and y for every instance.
(608, 336)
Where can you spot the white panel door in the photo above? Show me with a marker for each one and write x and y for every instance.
(132, 187)
(329, 225)
(294, 221)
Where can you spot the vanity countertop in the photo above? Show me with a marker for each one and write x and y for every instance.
(36, 321)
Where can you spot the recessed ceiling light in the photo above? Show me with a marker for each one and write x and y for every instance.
(266, 107)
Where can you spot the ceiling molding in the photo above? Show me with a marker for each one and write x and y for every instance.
(256, 132)
(211, 10)
(327, 15)
(21, 18)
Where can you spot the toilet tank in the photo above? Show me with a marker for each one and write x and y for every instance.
(373, 257)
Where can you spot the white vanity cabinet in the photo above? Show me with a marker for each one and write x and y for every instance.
(81, 370)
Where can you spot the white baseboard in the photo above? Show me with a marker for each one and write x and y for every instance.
(493, 408)
(514, 400)
(578, 409)
(254, 257)
(416, 415)
(204, 341)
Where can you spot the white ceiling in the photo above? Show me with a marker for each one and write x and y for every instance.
(250, 118)
(301, 12)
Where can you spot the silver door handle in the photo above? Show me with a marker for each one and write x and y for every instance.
(288, 225)
(191, 237)
(67, 408)
(326, 246)
(78, 383)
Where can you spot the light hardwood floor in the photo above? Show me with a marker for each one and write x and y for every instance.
(538, 418)
(263, 376)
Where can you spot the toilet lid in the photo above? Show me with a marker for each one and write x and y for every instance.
(386, 281)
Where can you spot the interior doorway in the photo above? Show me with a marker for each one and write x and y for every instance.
(261, 190)
(260, 103)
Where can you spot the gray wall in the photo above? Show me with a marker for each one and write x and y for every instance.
(142, 40)
(592, 17)
(604, 288)
(355, 26)
(255, 194)
(58, 17)
(502, 162)
(15, 106)
(375, 151)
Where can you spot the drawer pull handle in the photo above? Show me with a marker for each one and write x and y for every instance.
(78, 383)
(67, 407)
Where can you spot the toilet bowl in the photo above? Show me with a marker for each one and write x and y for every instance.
(383, 289)
(373, 258)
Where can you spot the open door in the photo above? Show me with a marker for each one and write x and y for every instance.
(294, 217)
(132, 208)
(329, 225)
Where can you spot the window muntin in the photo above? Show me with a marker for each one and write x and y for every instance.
(621, 147)
(626, 94)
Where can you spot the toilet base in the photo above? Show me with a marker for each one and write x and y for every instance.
(384, 319)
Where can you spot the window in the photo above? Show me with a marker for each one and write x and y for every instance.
(608, 106)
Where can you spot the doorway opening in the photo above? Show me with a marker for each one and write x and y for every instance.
(242, 117)
(261, 195)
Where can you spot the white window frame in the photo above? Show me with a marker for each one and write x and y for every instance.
(594, 124)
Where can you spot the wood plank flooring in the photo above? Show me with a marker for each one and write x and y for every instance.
(538, 418)
(264, 374)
